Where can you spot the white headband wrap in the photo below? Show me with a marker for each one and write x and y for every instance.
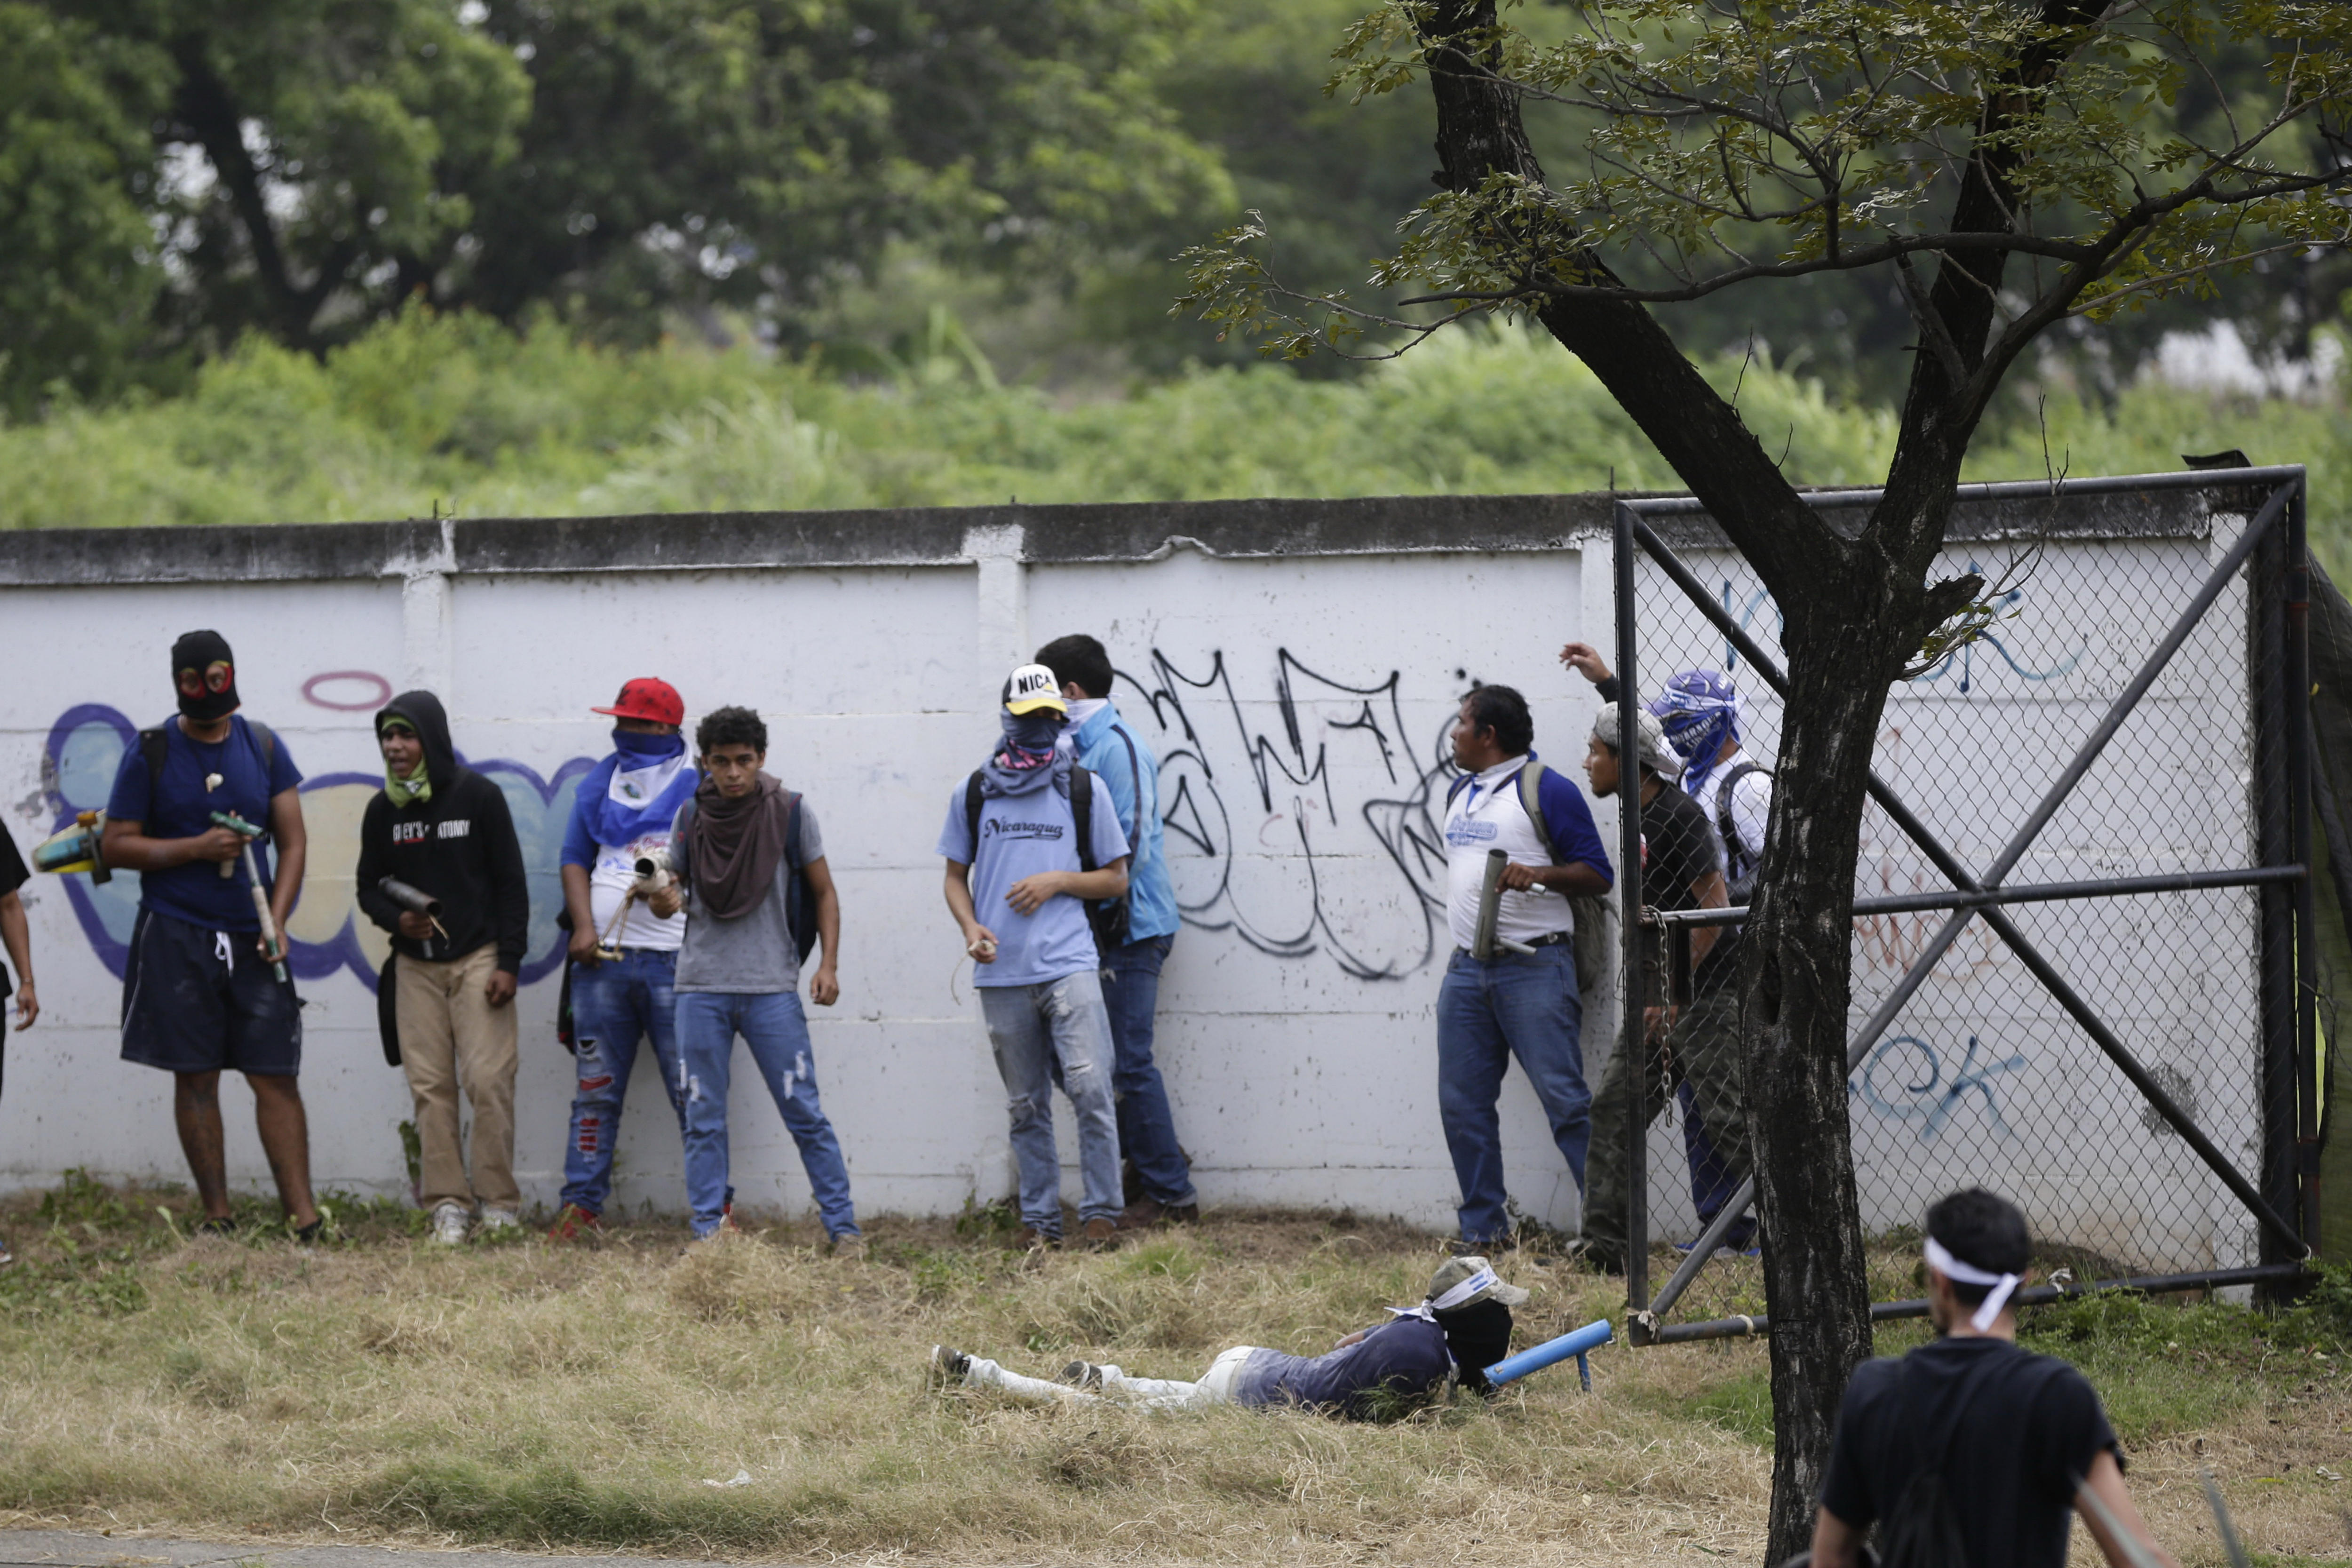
(1941, 1260)
(1486, 1279)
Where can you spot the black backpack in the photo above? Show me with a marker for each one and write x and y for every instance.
(1107, 917)
(1922, 1528)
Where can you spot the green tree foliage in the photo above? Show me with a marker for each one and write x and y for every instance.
(752, 151)
(76, 281)
(302, 167)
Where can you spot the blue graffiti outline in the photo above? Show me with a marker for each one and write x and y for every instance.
(1964, 655)
(307, 960)
(1969, 1077)
(1747, 617)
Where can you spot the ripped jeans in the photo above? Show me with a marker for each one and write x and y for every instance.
(1031, 1028)
(776, 1030)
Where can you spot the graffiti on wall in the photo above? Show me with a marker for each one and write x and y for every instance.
(326, 933)
(1909, 1079)
(1962, 661)
(1263, 816)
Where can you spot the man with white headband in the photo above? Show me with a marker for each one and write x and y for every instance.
(1969, 1449)
(1456, 1332)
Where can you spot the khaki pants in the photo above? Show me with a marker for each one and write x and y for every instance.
(451, 1037)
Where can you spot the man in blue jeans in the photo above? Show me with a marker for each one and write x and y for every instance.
(1512, 1005)
(752, 877)
(1160, 1186)
(621, 814)
(1017, 854)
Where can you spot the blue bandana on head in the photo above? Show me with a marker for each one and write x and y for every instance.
(1700, 708)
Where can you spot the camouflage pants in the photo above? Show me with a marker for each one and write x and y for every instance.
(1703, 1051)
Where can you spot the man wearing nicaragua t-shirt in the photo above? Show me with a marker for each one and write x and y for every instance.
(1512, 1005)
(621, 814)
(1018, 883)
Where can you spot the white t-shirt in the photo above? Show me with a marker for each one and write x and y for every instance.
(609, 880)
(1485, 814)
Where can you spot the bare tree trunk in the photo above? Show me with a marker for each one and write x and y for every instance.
(1795, 986)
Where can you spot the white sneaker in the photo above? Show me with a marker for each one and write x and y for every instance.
(496, 1219)
(449, 1222)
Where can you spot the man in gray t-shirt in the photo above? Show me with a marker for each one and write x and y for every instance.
(750, 871)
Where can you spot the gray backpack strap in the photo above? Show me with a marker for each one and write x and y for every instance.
(1739, 866)
(1588, 911)
(1531, 802)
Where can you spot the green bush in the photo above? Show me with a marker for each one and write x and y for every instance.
(432, 413)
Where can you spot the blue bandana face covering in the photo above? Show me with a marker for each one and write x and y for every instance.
(650, 780)
(1700, 710)
(640, 748)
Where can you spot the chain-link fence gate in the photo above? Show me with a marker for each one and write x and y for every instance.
(2076, 978)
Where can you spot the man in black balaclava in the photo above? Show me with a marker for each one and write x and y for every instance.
(199, 992)
(1458, 1330)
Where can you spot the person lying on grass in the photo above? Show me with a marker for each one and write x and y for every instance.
(1462, 1328)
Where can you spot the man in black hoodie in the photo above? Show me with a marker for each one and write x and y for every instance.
(445, 831)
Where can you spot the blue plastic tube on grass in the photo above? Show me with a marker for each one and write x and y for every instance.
(1551, 1352)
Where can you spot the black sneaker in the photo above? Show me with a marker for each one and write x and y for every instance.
(1082, 1375)
(948, 1366)
(1590, 1258)
(216, 1227)
(308, 1235)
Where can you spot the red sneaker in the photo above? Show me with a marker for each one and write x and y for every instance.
(574, 1224)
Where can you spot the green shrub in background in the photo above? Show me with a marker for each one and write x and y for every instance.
(456, 412)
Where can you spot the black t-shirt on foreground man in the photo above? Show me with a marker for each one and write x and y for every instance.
(1969, 1446)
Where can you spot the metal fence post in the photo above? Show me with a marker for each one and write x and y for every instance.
(2299, 811)
(1630, 1041)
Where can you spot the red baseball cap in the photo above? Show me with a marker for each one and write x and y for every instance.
(657, 701)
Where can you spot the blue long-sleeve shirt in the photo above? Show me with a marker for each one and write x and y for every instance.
(1117, 755)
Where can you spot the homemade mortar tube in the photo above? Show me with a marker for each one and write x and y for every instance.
(1552, 1352)
(415, 900)
(270, 941)
(1490, 902)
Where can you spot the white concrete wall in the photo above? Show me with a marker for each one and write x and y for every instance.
(1298, 702)
(1297, 1011)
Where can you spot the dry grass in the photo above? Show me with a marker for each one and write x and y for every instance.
(579, 1399)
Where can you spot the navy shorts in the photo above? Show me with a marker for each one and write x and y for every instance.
(196, 1000)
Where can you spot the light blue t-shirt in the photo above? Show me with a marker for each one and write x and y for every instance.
(1118, 756)
(1021, 835)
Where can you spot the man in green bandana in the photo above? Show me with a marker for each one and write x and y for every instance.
(445, 831)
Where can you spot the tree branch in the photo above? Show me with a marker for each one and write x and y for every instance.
(1480, 134)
